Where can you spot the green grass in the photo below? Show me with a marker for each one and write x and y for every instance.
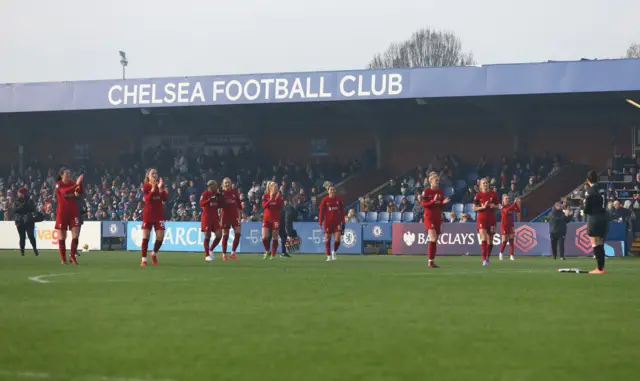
(360, 318)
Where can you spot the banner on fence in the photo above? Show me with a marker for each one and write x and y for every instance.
(112, 229)
(178, 236)
(47, 237)
(376, 232)
(530, 239)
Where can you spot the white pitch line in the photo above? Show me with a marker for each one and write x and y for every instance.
(41, 278)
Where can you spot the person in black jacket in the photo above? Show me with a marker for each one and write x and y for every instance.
(288, 215)
(558, 229)
(25, 216)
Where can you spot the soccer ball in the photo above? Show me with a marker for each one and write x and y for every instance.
(85, 247)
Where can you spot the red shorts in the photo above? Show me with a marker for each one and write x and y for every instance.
(271, 225)
(506, 230)
(229, 222)
(210, 225)
(67, 222)
(332, 229)
(433, 224)
(488, 225)
(147, 225)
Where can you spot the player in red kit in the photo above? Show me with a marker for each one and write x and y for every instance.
(210, 219)
(332, 219)
(67, 213)
(432, 201)
(272, 203)
(231, 211)
(507, 217)
(485, 204)
(155, 195)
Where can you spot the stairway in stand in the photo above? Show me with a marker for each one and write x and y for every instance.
(634, 250)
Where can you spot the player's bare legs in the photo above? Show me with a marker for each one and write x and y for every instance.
(484, 246)
(266, 241)
(207, 242)
(274, 242)
(327, 245)
(75, 234)
(62, 242)
(237, 232)
(144, 247)
(156, 246)
(336, 245)
(507, 238)
(215, 243)
(432, 248)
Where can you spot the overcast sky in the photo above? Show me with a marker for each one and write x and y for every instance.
(57, 40)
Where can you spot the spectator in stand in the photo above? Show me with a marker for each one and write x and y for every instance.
(394, 189)
(418, 210)
(453, 217)
(618, 213)
(353, 217)
(468, 196)
(391, 207)
(482, 169)
(530, 185)
(404, 206)
(612, 175)
(380, 205)
(466, 218)
(513, 192)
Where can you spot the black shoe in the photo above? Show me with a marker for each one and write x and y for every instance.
(22, 253)
(563, 258)
(35, 252)
(285, 255)
(554, 257)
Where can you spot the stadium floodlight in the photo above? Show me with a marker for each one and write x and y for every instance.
(632, 103)
(124, 62)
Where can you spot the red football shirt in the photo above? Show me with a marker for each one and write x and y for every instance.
(490, 197)
(153, 203)
(209, 204)
(432, 203)
(272, 207)
(66, 196)
(331, 211)
(507, 214)
(230, 203)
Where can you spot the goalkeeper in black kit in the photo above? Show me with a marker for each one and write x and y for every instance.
(288, 235)
(597, 219)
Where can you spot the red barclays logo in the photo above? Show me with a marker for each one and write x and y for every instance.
(526, 238)
(582, 240)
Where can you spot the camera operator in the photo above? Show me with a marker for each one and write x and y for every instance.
(26, 217)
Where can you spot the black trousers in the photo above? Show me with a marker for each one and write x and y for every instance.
(25, 230)
(284, 232)
(557, 245)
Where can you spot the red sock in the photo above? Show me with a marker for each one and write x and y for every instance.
(207, 241)
(431, 251)
(503, 245)
(336, 246)
(265, 243)
(62, 247)
(225, 243)
(327, 246)
(157, 246)
(511, 247)
(236, 242)
(145, 247)
(484, 250)
(274, 247)
(74, 247)
(215, 243)
(489, 248)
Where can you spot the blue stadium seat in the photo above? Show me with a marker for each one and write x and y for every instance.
(468, 208)
(383, 217)
(372, 217)
(396, 217)
(388, 197)
(461, 184)
(362, 215)
(447, 216)
(448, 192)
(472, 215)
(398, 199)
(411, 199)
(458, 208)
(407, 216)
(472, 177)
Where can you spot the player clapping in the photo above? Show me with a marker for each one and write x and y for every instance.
(484, 205)
(432, 201)
(231, 211)
(272, 202)
(507, 215)
(210, 219)
(332, 219)
(155, 195)
(67, 214)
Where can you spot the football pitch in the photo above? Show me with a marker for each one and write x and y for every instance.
(359, 318)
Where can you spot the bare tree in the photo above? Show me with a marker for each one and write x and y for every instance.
(633, 51)
(426, 47)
